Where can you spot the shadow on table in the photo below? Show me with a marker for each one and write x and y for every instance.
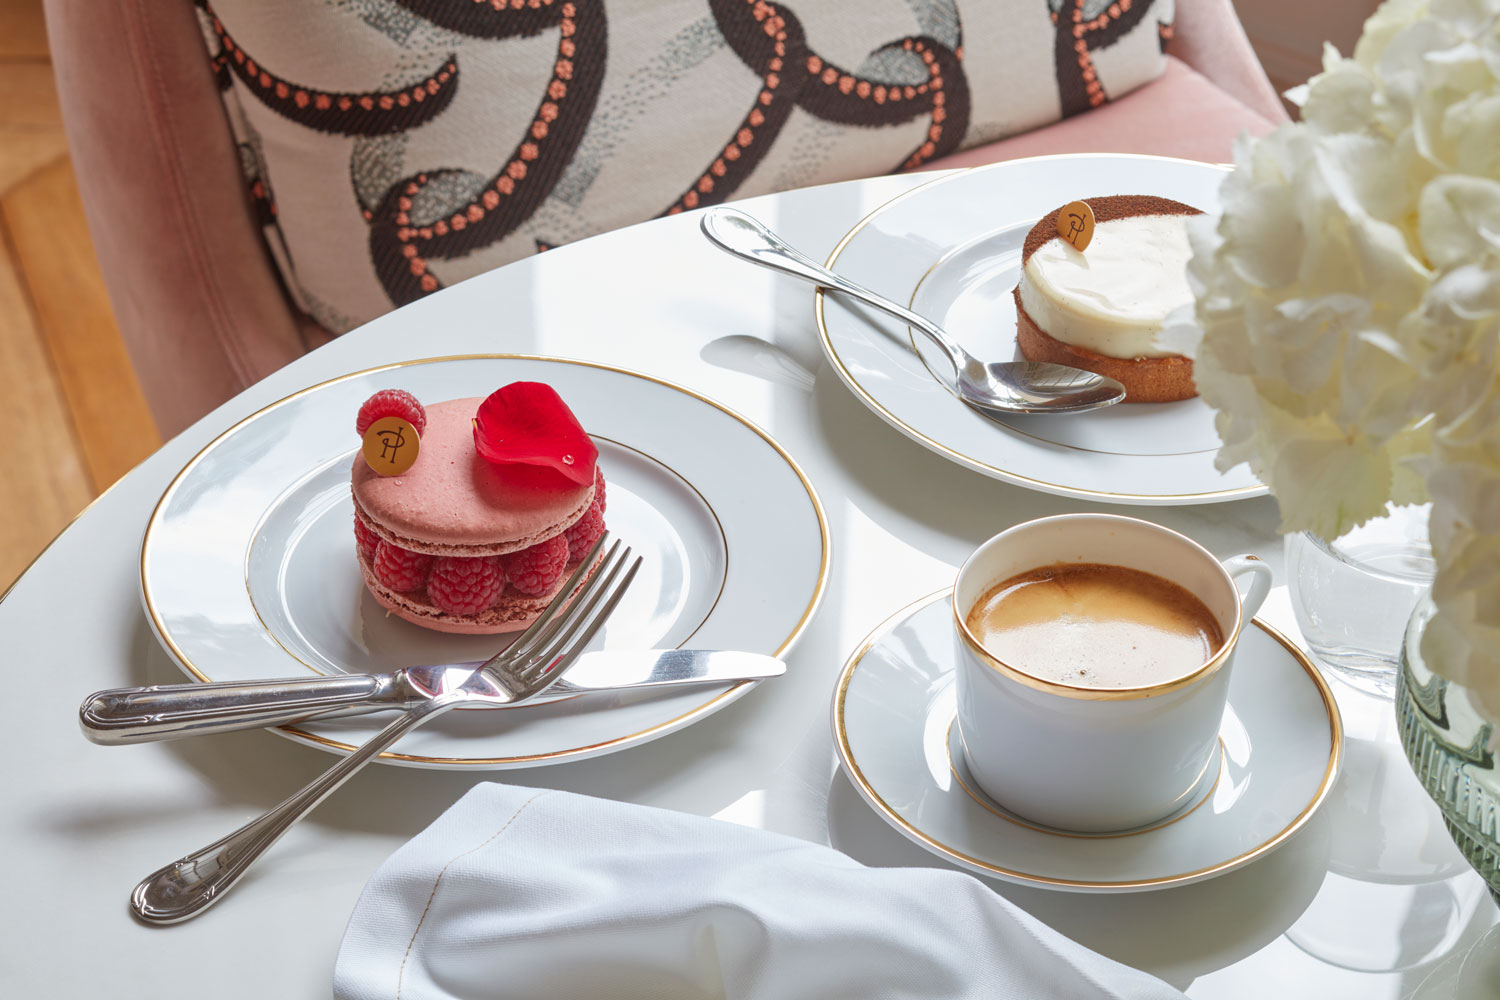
(759, 358)
(1176, 934)
(1398, 898)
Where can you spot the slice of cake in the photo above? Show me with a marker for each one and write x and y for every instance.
(1101, 310)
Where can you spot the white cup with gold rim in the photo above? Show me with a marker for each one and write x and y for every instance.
(1097, 759)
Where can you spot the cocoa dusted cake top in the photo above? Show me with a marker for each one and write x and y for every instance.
(1105, 209)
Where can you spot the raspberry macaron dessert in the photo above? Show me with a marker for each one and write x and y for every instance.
(480, 531)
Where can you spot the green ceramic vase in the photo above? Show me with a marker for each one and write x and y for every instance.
(1448, 744)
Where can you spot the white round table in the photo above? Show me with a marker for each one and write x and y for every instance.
(1370, 900)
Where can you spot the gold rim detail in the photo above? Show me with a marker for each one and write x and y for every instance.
(867, 791)
(847, 376)
(820, 586)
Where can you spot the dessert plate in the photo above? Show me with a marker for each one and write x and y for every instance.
(248, 568)
(893, 709)
(952, 249)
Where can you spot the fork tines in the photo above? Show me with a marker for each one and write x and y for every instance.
(575, 614)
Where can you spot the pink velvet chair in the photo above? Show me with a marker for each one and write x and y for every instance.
(195, 293)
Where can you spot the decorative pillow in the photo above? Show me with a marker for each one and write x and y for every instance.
(395, 146)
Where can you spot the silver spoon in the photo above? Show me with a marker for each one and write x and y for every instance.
(996, 387)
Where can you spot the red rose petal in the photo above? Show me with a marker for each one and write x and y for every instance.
(527, 423)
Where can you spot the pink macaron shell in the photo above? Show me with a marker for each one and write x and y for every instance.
(452, 501)
(465, 551)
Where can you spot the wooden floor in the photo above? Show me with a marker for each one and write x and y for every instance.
(77, 421)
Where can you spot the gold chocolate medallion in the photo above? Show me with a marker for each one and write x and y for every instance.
(1075, 224)
(391, 446)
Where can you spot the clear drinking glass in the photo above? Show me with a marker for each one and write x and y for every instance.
(1354, 595)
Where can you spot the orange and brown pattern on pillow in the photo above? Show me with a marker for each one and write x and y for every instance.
(451, 136)
(767, 37)
(372, 113)
(400, 247)
(1083, 28)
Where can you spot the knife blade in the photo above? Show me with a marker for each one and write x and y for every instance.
(173, 711)
(613, 670)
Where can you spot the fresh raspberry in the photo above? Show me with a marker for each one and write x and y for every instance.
(400, 569)
(536, 570)
(462, 586)
(585, 531)
(391, 403)
(365, 540)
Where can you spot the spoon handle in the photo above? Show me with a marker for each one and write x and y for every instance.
(746, 237)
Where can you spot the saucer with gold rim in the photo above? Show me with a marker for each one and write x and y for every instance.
(893, 709)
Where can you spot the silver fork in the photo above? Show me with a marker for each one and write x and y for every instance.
(537, 658)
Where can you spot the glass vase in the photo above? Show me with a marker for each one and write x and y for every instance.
(1354, 596)
(1449, 746)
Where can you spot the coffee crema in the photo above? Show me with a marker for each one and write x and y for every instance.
(1095, 625)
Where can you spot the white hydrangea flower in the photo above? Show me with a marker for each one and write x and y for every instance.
(1346, 323)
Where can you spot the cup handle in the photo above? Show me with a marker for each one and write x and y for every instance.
(1260, 586)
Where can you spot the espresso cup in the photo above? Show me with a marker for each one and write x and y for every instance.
(1096, 759)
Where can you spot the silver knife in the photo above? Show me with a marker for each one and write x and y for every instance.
(172, 711)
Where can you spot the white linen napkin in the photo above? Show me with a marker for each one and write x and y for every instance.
(520, 893)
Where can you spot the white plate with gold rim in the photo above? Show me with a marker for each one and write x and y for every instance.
(248, 568)
(952, 250)
(893, 709)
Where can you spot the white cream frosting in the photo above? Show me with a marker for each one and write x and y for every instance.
(1113, 298)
